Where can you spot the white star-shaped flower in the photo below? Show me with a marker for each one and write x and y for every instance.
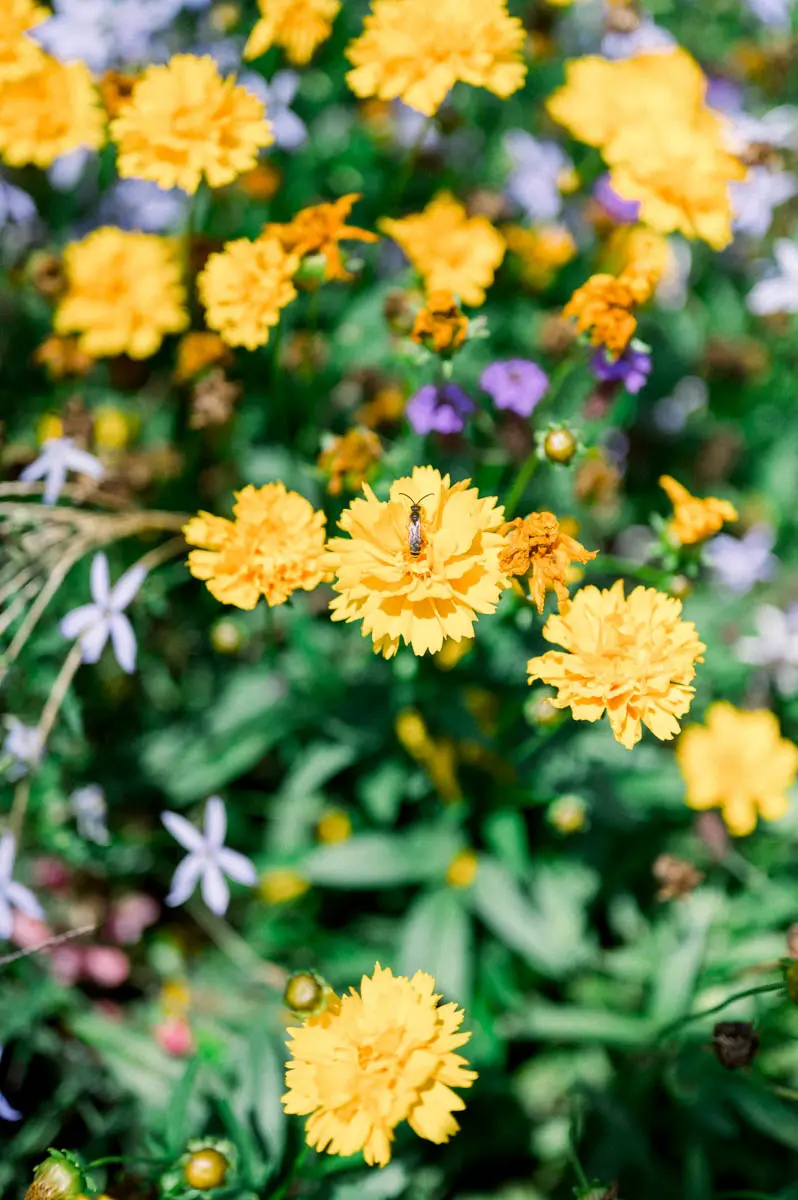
(208, 859)
(13, 895)
(105, 617)
(779, 292)
(58, 457)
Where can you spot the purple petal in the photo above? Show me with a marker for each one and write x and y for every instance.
(93, 640)
(24, 901)
(79, 620)
(183, 832)
(215, 821)
(124, 641)
(7, 1113)
(215, 891)
(100, 580)
(126, 587)
(184, 880)
(237, 866)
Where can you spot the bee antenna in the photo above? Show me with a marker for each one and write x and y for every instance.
(425, 497)
(410, 498)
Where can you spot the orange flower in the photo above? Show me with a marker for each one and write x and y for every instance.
(694, 519)
(198, 350)
(440, 324)
(348, 460)
(62, 357)
(318, 230)
(603, 305)
(537, 546)
(299, 26)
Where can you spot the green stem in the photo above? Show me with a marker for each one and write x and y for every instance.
(118, 1159)
(411, 160)
(609, 564)
(573, 1158)
(283, 1188)
(674, 1026)
(520, 485)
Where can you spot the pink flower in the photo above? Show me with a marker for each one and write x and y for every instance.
(106, 965)
(175, 1037)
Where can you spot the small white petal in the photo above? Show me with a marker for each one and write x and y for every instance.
(8, 848)
(54, 482)
(35, 470)
(79, 620)
(183, 831)
(93, 641)
(84, 463)
(184, 880)
(124, 641)
(100, 581)
(126, 587)
(237, 866)
(23, 899)
(215, 822)
(215, 891)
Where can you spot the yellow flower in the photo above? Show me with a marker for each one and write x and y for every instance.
(333, 826)
(244, 287)
(318, 230)
(462, 870)
(281, 884)
(19, 54)
(124, 293)
(541, 251)
(48, 112)
(385, 1056)
(112, 427)
(630, 655)
(198, 350)
(418, 51)
(348, 460)
(694, 519)
(450, 250)
(62, 358)
(49, 425)
(440, 325)
(603, 306)
(184, 121)
(423, 598)
(435, 755)
(274, 546)
(538, 547)
(738, 762)
(451, 653)
(299, 26)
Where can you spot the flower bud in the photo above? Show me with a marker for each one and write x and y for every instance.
(206, 1169)
(680, 587)
(305, 993)
(735, 1044)
(559, 446)
(57, 1178)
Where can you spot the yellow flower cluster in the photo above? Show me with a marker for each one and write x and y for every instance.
(124, 293)
(244, 287)
(19, 54)
(373, 1059)
(664, 145)
(47, 108)
(450, 250)
(184, 122)
(298, 26)
(417, 51)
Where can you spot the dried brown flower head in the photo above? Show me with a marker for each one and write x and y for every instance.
(676, 877)
(735, 1044)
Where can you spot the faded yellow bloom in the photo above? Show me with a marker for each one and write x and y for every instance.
(113, 428)
(738, 762)
(348, 460)
(440, 325)
(124, 293)
(603, 307)
(298, 26)
(197, 351)
(274, 546)
(19, 54)
(629, 656)
(383, 1056)
(333, 826)
(48, 112)
(694, 519)
(541, 251)
(417, 51)
(462, 870)
(418, 598)
(319, 230)
(184, 122)
(450, 250)
(435, 755)
(538, 547)
(62, 358)
(281, 884)
(244, 287)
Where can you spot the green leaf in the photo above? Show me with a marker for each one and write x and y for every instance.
(177, 1121)
(567, 1023)
(437, 937)
(315, 766)
(765, 1111)
(378, 860)
(139, 1065)
(680, 952)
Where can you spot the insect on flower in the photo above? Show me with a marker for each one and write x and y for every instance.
(414, 534)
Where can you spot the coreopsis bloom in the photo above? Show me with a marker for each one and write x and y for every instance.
(417, 52)
(198, 350)
(208, 859)
(184, 121)
(49, 112)
(738, 762)
(603, 306)
(59, 456)
(440, 324)
(19, 53)
(318, 230)
(516, 385)
(694, 519)
(631, 656)
(297, 26)
(425, 597)
(537, 547)
(93, 624)
(541, 251)
(373, 1059)
(274, 546)
(13, 895)
(348, 460)
(124, 293)
(450, 250)
(244, 288)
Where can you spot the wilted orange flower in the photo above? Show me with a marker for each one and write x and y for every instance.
(124, 293)
(450, 250)
(631, 656)
(537, 546)
(423, 598)
(116, 88)
(274, 546)
(198, 350)
(418, 51)
(48, 112)
(374, 1059)
(19, 54)
(318, 230)
(604, 306)
(244, 288)
(384, 408)
(440, 324)
(299, 26)
(738, 762)
(62, 358)
(348, 459)
(541, 251)
(184, 121)
(694, 519)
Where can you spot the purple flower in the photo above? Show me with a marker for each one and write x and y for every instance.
(643, 40)
(623, 212)
(143, 205)
(94, 623)
(439, 409)
(517, 384)
(104, 33)
(537, 170)
(13, 896)
(632, 368)
(208, 859)
(739, 563)
(771, 12)
(290, 131)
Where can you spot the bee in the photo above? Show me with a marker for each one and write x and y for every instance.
(414, 528)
